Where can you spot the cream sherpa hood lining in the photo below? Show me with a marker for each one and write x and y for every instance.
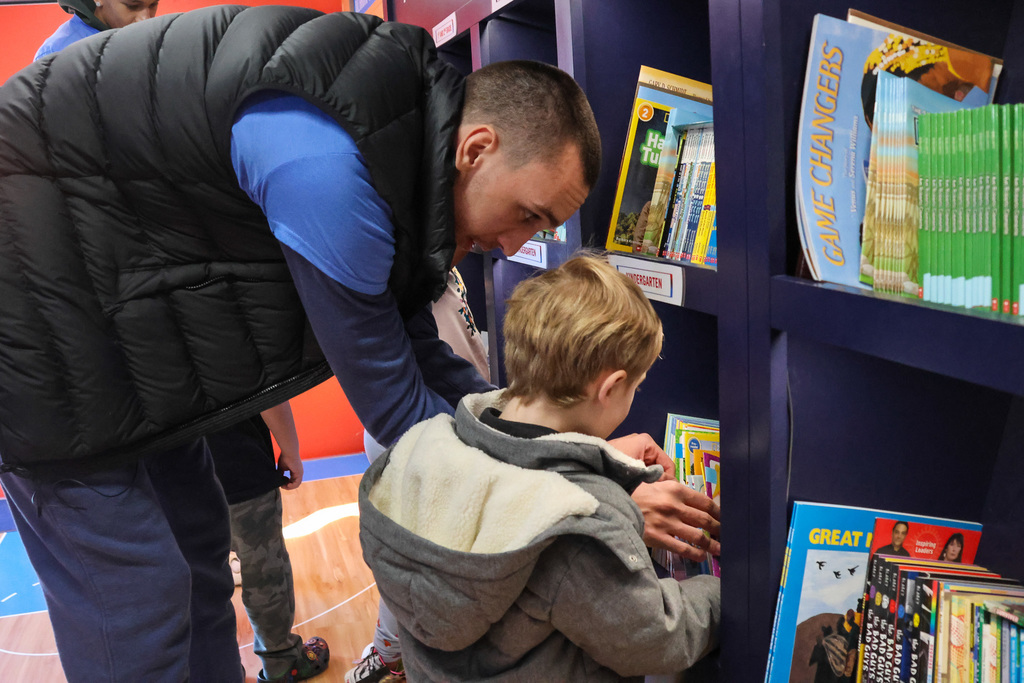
(462, 499)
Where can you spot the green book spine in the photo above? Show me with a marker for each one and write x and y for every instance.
(1017, 232)
(983, 224)
(993, 280)
(924, 172)
(958, 241)
(971, 211)
(945, 243)
(1005, 241)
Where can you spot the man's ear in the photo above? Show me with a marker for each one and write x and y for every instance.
(608, 382)
(474, 142)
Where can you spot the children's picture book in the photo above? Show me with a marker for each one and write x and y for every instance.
(693, 444)
(836, 124)
(658, 94)
(820, 596)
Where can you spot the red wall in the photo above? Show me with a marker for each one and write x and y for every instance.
(23, 28)
(323, 417)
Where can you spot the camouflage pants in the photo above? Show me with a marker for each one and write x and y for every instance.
(267, 591)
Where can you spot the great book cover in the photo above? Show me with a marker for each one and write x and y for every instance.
(834, 135)
(816, 620)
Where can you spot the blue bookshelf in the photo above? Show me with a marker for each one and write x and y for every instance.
(823, 393)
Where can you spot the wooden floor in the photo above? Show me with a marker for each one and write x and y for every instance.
(335, 596)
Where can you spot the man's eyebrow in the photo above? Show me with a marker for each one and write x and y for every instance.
(547, 213)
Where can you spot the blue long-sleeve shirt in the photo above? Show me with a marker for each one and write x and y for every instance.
(72, 30)
(312, 183)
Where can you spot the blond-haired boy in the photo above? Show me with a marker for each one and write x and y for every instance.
(505, 539)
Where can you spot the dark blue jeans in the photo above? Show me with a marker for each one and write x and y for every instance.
(133, 565)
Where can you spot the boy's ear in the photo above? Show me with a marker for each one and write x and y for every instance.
(607, 382)
(474, 142)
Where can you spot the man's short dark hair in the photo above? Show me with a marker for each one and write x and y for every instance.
(906, 524)
(536, 109)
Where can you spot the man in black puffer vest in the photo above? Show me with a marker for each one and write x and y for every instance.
(184, 204)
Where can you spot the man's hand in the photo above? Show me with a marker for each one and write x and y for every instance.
(674, 516)
(643, 447)
(672, 511)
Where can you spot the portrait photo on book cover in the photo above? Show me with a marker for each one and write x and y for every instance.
(924, 541)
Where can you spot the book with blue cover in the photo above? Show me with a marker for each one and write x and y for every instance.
(817, 622)
(836, 121)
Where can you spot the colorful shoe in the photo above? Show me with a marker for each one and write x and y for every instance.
(373, 670)
(313, 661)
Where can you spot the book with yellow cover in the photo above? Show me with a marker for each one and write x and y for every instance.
(658, 94)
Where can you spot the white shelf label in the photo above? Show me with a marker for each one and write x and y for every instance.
(533, 253)
(659, 281)
(446, 30)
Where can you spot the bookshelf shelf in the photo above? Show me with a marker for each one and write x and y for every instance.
(701, 290)
(980, 347)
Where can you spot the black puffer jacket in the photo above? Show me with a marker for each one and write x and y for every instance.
(144, 300)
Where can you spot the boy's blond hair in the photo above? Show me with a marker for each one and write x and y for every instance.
(566, 326)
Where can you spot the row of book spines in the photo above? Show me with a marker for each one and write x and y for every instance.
(971, 242)
(690, 225)
(991, 647)
(899, 625)
(700, 245)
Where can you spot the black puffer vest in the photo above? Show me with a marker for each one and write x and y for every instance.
(145, 301)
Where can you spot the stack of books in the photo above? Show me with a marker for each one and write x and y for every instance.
(971, 169)
(666, 201)
(875, 596)
(867, 83)
(693, 445)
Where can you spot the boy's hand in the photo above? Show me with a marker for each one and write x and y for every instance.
(643, 447)
(675, 517)
(290, 461)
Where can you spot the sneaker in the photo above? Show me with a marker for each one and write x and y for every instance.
(236, 567)
(372, 669)
(314, 660)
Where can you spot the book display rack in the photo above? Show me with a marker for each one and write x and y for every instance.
(823, 392)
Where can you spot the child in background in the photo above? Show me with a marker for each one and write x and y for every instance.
(505, 539)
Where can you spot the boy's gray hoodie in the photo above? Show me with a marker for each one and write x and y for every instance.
(510, 559)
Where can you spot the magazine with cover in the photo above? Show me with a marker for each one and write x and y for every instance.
(658, 94)
(835, 128)
(822, 586)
